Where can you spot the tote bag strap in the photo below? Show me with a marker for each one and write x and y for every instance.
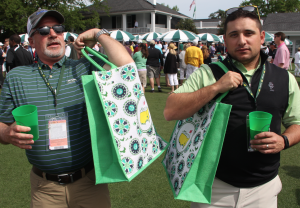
(225, 69)
(98, 55)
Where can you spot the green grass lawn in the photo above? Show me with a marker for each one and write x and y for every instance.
(150, 189)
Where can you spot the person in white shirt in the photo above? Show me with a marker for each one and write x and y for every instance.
(136, 24)
(297, 63)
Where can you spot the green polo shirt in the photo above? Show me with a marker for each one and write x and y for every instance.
(203, 77)
(24, 86)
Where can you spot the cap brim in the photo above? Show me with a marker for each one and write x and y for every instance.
(60, 18)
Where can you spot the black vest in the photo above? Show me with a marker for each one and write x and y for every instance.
(237, 166)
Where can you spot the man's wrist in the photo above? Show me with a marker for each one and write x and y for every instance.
(286, 141)
(101, 32)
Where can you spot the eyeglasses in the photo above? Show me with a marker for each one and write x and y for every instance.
(58, 29)
(244, 8)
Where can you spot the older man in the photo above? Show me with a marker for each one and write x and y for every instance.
(282, 57)
(62, 175)
(244, 179)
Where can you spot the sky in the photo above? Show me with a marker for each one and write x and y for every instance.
(204, 7)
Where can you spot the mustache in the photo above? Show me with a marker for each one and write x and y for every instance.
(53, 42)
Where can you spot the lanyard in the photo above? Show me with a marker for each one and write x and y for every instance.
(54, 91)
(262, 76)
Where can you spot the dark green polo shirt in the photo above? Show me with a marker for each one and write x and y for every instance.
(24, 86)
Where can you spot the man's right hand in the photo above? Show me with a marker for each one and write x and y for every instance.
(230, 81)
(12, 134)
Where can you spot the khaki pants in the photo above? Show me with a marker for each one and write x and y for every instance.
(225, 195)
(81, 193)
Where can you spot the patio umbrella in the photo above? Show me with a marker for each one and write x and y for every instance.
(221, 38)
(121, 35)
(151, 36)
(67, 34)
(24, 37)
(209, 37)
(269, 37)
(178, 35)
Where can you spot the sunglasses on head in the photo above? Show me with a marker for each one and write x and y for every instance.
(45, 30)
(252, 9)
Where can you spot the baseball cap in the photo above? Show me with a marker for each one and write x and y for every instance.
(152, 42)
(35, 18)
(1, 44)
(195, 42)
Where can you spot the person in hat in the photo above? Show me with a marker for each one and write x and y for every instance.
(127, 47)
(61, 175)
(243, 178)
(272, 51)
(193, 58)
(170, 67)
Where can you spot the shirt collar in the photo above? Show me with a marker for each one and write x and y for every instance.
(280, 44)
(242, 68)
(58, 64)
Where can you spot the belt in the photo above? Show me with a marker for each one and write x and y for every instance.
(64, 178)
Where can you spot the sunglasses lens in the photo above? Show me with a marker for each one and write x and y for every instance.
(249, 8)
(58, 29)
(44, 31)
(230, 11)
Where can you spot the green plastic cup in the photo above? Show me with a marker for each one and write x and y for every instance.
(259, 121)
(26, 115)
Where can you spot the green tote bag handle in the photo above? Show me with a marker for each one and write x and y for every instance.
(98, 55)
(225, 69)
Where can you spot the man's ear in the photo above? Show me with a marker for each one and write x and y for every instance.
(31, 42)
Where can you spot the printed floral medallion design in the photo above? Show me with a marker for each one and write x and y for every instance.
(128, 113)
(185, 144)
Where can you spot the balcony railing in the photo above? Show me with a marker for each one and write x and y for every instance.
(142, 30)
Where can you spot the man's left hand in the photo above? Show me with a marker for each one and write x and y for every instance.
(268, 143)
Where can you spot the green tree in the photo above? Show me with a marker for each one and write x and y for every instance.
(14, 15)
(186, 24)
(266, 7)
(175, 8)
(217, 15)
(220, 14)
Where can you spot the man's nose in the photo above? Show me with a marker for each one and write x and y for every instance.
(242, 40)
(52, 33)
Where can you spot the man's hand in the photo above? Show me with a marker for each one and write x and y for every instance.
(12, 135)
(229, 81)
(268, 143)
(86, 39)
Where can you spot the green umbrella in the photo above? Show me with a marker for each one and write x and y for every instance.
(67, 34)
(209, 37)
(121, 35)
(179, 35)
(151, 36)
(24, 37)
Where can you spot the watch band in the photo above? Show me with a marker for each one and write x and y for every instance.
(103, 31)
(286, 141)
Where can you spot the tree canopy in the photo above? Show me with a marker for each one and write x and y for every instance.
(217, 15)
(186, 24)
(14, 15)
(266, 7)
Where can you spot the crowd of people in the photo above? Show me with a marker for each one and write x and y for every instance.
(66, 176)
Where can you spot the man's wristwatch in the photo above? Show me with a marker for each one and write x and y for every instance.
(103, 31)
(286, 141)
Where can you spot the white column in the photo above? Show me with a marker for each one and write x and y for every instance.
(152, 29)
(200, 24)
(124, 18)
(169, 18)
